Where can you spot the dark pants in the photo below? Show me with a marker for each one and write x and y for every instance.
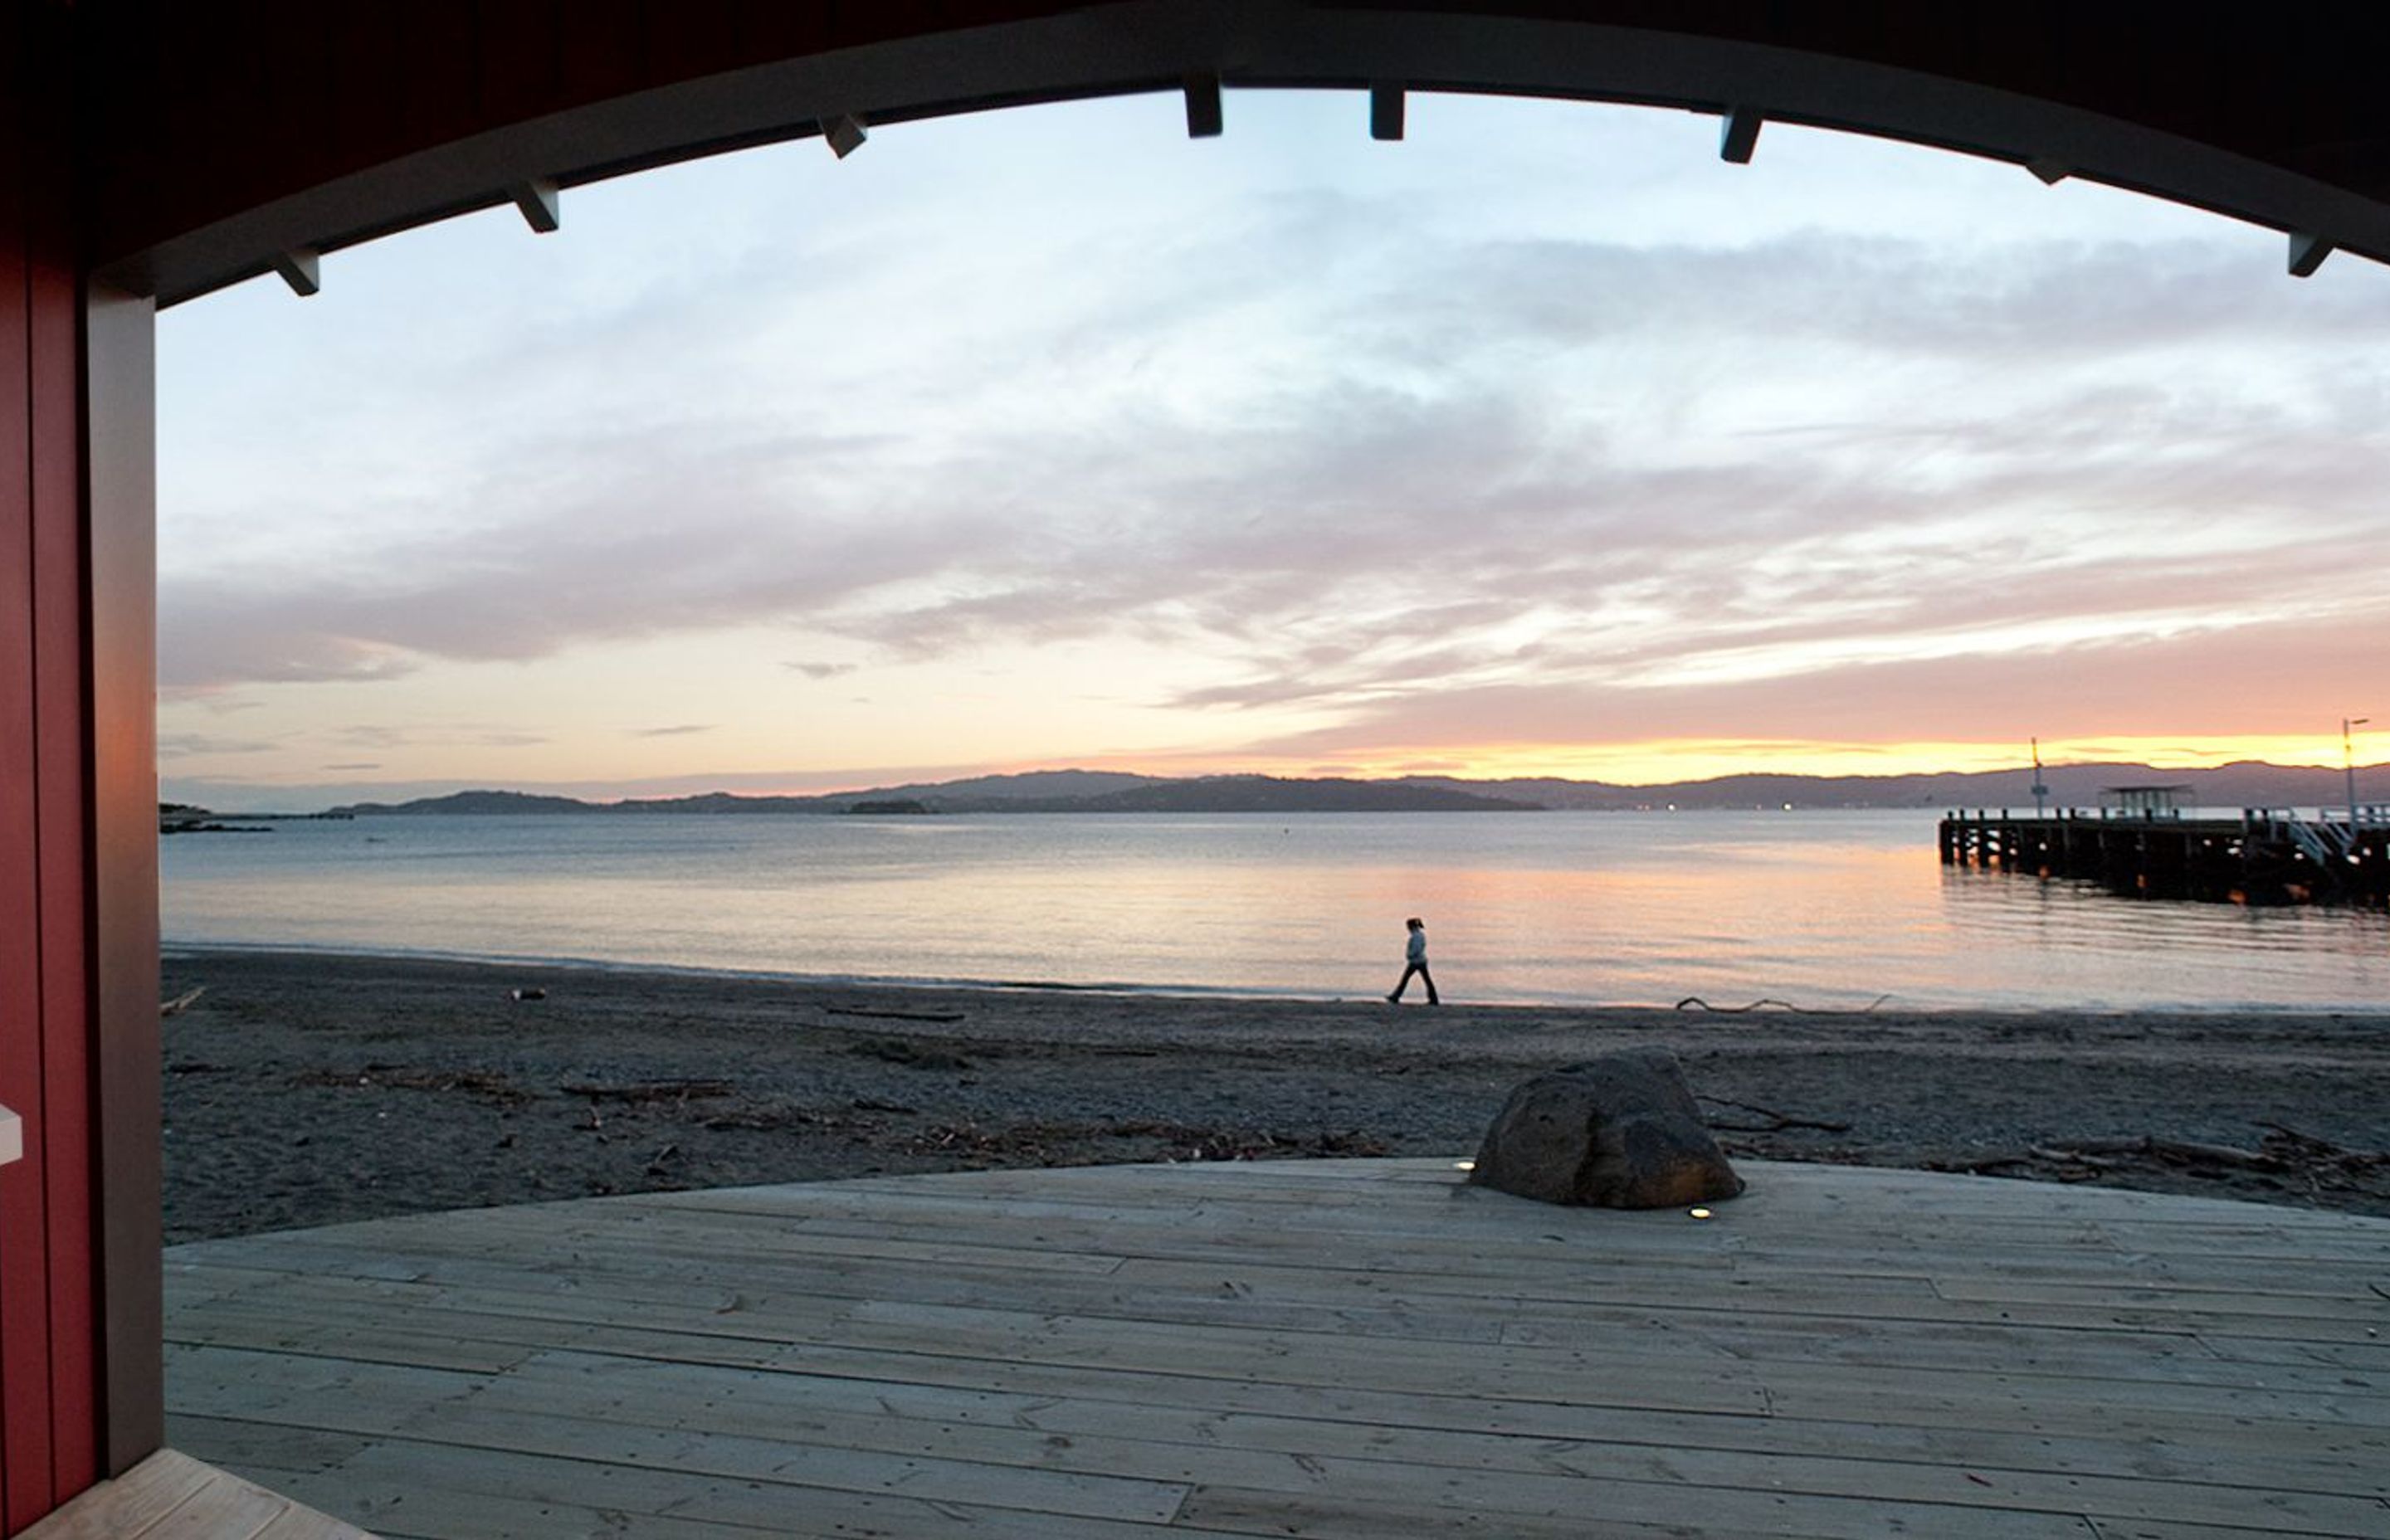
(1425, 977)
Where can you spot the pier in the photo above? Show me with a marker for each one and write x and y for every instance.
(2264, 856)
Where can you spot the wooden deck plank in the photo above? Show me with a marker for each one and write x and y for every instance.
(1650, 1507)
(316, 1312)
(626, 1497)
(2321, 1457)
(2349, 1304)
(640, 1265)
(1378, 1460)
(465, 1338)
(2141, 1528)
(784, 1298)
(676, 1279)
(304, 1250)
(704, 1294)
(399, 1509)
(253, 1445)
(684, 1395)
(790, 1457)
(2370, 1358)
(1315, 1348)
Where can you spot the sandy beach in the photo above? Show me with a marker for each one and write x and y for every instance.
(307, 1090)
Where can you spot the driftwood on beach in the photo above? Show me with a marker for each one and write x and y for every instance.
(942, 1017)
(651, 1090)
(1777, 1122)
(2284, 1156)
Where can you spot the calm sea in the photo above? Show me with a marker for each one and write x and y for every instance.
(1817, 909)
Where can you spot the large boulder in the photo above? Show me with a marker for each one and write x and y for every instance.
(1618, 1132)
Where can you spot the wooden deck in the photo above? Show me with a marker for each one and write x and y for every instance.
(1363, 1349)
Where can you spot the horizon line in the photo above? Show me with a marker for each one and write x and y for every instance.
(329, 794)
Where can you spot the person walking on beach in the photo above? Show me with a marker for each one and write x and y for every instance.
(1415, 961)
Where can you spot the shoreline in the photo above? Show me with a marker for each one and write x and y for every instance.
(308, 1087)
(170, 950)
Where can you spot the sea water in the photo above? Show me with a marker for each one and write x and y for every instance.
(1816, 908)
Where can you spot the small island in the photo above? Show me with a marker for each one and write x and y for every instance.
(186, 818)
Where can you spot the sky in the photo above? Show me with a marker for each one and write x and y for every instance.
(1541, 443)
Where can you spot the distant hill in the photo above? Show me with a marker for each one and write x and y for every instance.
(1272, 794)
(1033, 791)
(1045, 792)
(1030, 785)
(508, 803)
(720, 802)
(2247, 784)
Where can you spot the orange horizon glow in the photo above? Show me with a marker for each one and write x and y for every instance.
(1626, 765)
(1673, 761)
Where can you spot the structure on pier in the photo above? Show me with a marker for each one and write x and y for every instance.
(2145, 802)
(2148, 849)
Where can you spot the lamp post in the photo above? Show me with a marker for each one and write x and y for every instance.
(2348, 761)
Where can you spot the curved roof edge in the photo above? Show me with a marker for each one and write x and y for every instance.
(1034, 53)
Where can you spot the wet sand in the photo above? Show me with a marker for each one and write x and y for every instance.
(307, 1090)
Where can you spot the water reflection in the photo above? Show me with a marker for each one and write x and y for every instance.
(1824, 909)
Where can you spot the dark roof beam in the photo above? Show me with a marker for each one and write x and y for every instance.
(300, 268)
(538, 200)
(845, 133)
(1203, 115)
(1739, 134)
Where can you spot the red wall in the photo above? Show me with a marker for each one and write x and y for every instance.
(48, 1339)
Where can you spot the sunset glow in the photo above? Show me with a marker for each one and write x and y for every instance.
(1668, 762)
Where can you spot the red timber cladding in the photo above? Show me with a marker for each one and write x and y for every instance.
(48, 1335)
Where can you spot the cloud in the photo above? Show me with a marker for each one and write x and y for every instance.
(192, 745)
(355, 764)
(672, 732)
(373, 735)
(652, 540)
(213, 638)
(2028, 301)
(1421, 481)
(2134, 687)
